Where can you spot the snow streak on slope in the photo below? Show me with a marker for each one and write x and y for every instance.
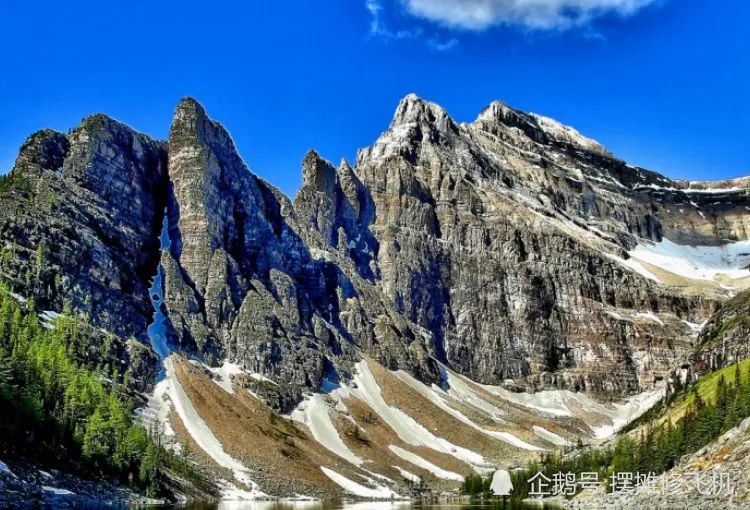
(558, 403)
(358, 489)
(550, 436)
(225, 373)
(201, 433)
(439, 397)
(315, 414)
(407, 429)
(407, 474)
(696, 262)
(424, 464)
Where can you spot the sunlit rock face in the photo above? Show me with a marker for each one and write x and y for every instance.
(500, 248)
(511, 248)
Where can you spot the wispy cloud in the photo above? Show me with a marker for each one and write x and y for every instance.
(532, 14)
(438, 45)
(379, 28)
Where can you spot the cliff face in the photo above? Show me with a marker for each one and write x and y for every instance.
(509, 248)
(240, 283)
(79, 229)
(503, 244)
(724, 340)
(403, 311)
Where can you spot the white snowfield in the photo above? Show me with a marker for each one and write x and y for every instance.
(464, 393)
(408, 430)
(224, 374)
(407, 474)
(205, 438)
(357, 489)
(314, 413)
(425, 464)
(558, 403)
(550, 436)
(156, 412)
(696, 262)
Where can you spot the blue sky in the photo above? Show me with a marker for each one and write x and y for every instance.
(661, 83)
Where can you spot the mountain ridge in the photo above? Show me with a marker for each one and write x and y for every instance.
(475, 278)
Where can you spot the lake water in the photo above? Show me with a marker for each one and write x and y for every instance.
(373, 505)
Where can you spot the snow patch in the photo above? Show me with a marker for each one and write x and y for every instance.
(314, 413)
(558, 403)
(463, 392)
(650, 316)
(357, 489)
(224, 374)
(696, 262)
(438, 396)
(57, 492)
(425, 464)
(202, 434)
(631, 410)
(407, 474)
(158, 407)
(564, 133)
(549, 402)
(407, 429)
(17, 297)
(550, 436)
(695, 326)
(634, 265)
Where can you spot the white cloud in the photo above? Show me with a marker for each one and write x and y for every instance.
(533, 14)
(379, 28)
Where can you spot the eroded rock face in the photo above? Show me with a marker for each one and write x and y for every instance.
(497, 239)
(725, 339)
(497, 248)
(240, 282)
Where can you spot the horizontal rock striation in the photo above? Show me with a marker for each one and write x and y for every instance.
(498, 248)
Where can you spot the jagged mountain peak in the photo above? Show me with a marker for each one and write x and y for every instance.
(413, 109)
(190, 104)
(192, 121)
(317, 172)
(190, 114)
(344, 165)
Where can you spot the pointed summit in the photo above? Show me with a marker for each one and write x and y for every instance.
(344, 165)
(189, 118)
(317, 172)
(413, 109)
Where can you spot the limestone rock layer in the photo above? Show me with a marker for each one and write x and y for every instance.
(497, 248)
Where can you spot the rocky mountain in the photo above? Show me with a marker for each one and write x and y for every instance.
(723, 341)
(79, 228)
(457, 284)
